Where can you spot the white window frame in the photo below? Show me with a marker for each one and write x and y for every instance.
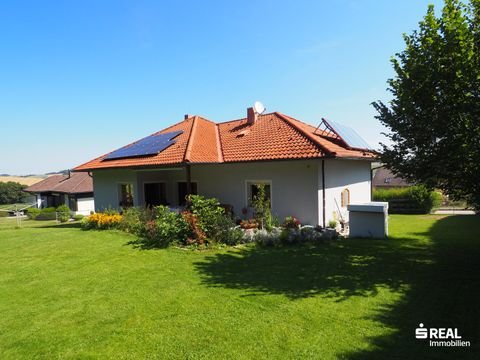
(253, 182)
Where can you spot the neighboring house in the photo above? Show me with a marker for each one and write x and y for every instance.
(385, 179)
(74, 190)
(309, 172)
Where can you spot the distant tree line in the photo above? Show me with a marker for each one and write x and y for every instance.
(12, 192)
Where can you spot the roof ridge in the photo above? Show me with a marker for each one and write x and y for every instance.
(219, 144)
(244, 118)
(188, 148)
(305, 134)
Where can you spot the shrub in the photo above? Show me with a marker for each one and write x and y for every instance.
(268, 238)
(4, 214)
(332, 224)
(206, 211)
(78, 217)
(291, 222)
(167, 227)
(101, 221)
(226, 231)
(32, 213)
(47, 214)
(133, 219)
(197, 235)
(63, 213)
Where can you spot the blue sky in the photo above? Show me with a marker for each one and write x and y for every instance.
(78, 79)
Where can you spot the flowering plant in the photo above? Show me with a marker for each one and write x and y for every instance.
(291, 222)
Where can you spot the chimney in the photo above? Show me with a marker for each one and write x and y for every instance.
(186, 116)
(251, 116)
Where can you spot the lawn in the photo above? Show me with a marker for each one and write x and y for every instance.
(67, 293)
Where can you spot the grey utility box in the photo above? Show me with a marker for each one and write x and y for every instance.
(368, 220)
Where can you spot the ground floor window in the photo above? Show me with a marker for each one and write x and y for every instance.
(155, 194)
(72, 203)
(182, 192)
(252, 190)
(126, 195)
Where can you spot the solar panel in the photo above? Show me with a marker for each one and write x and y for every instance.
(150, 145)
(349, 136)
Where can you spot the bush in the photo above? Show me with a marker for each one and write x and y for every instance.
(206, 211)
(168, 227)
(32, 213)
(132, 220)
(63, 213)
(4, 214)
(47, 214)
(411, 200)
(268, 238)
(78, 217)
(226, 231)
(101, 221)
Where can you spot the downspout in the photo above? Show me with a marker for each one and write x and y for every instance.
(323, 192)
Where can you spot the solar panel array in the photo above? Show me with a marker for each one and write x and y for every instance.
(151, 145)
(349, 135)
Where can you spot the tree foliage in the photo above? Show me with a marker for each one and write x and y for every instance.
(434, 116)
(12, 192)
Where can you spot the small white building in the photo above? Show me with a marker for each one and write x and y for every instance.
(312, 173)
(74, 190)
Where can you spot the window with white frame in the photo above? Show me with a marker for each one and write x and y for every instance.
(253, 187)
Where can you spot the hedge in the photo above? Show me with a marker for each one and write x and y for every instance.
(410, 200)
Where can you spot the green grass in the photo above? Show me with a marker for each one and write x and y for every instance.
(67, 293)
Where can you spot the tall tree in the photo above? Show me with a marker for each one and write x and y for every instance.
(434, 116)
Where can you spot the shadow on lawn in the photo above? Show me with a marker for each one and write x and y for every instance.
(440, 282)
(69, 225)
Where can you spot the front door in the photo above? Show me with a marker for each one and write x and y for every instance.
(155, 194)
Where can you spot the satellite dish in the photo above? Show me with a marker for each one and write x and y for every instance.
(259, 108)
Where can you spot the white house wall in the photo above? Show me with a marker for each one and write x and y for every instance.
(353, 175)
(296, 185)
(106, 185)
(293, 185)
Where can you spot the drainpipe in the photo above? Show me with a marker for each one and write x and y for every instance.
(189, 179)
(323, 193)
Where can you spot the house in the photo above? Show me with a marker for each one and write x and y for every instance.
(74, 190)
(386, 179)
(309, 172)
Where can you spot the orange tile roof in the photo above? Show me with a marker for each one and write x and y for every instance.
(273, 136)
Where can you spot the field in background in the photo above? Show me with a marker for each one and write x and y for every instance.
(27, 180)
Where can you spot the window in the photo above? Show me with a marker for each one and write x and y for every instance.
(252, 190)
(345, 197)
(182, 192)
(72, 203)
(155, 194)
(126, 195)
